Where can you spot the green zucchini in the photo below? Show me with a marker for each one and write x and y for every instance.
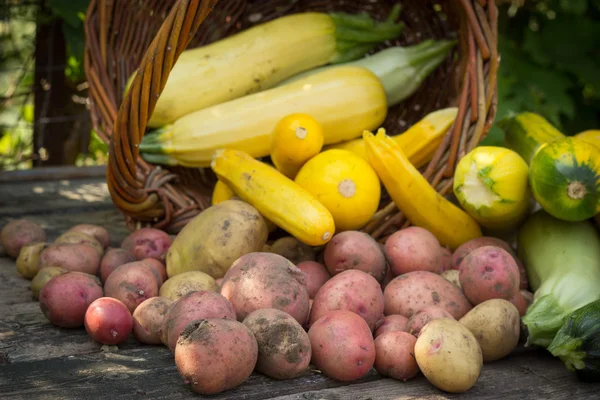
(577, 342)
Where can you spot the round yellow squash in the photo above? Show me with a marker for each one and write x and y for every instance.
(345, 184)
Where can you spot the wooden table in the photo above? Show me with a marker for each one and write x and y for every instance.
(40, 361)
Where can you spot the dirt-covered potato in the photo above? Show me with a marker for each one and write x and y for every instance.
(214, 355)
(65, 298)
(452, 275)
(147, 243)
(216, 237)
(413, 249)
(266, 280)
(423, 316)
(411, 292)
(187, 282)
(132, 284)
(79, 257)
(496, 326)
(342, 345)
(193, 306)
(74, 237)
(355, 250)
(29, 256)
(148, 319)
(113, 259)
(316, 276)
(292, 249)
(96, 231)
(395, 355)
(351, 290)
(489, 272)
(42, 277)
(390, 323)
(108, 321)
(449, 355)
(18, 233)
(284, 349)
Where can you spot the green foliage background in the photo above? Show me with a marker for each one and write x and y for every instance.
(550, 64)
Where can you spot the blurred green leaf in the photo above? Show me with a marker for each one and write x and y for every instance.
(578, 7)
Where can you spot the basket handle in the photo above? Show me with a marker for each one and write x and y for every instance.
(124, 163)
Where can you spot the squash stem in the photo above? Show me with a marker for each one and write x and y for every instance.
(576, 190)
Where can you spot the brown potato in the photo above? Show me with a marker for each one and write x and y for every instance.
(293, 249)
(80, 257)
(96, 231)
(284, 349)
(18, 233)
(29, 256)
(452, 275)
(148, 319)
(73, 237)
(42, 277)
(187, 282)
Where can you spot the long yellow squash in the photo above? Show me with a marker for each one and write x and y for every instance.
(344, 100)
(415, 197)
(419, 142)
(275, 196)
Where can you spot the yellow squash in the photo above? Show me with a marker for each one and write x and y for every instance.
(591, 136)
(419, 142)
(275, 196)
(415, 197)
(344, 100)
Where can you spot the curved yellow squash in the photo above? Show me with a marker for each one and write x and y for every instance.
(275, 196)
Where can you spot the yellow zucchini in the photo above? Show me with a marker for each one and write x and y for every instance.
(419, 143)
(415, 197)
(275, 196)
(344, 100)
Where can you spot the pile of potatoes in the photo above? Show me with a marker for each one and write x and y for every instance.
(227, 302)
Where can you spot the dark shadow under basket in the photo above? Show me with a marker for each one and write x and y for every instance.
(149, 35)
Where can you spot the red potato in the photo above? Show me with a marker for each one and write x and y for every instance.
(219, 282)
(148, 319)
(395, 355)
(413, 249)
(96, 231)
(214, 355)
(527, 296)
(411, 292)
(203, 304)
(113, 259)
(520, 302)
(266, 280)
(351, 290)
(423, 316)
(391, 323)
(342, 346)
(79, 257)
(357, 251)
(284, 349)
(18, 233)
(108, 321)
(446, 259)
(489, 272)
(132, 283)
(316, 275)
(147, 243)
(65, 298)
(158, 267)
(389, 275)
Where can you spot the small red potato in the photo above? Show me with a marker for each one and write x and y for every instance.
(395, 355)
(159, 268)
(108, 321)
(413, 249)
(520, 302)
(73, 237)
(355, 250)
(202, 304)
(316, 276)
(351, 290)
(18, 233)
(96, 231)
(132, 283)
(391, 323)
(389, 275)
(446, 259)
(147, 243)
(65, 298)
(342, 346)
(214, 355)
(113, 259)
(266, 280)
(411, 292)
(79, 257)
(284, 349)
(423, 316)
(489, 272)
(148, 319)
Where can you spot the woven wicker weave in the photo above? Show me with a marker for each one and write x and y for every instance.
(149, 35)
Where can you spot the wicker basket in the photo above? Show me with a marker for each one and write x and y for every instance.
(123, 35)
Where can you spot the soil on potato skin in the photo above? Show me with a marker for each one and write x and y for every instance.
(279, 336)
